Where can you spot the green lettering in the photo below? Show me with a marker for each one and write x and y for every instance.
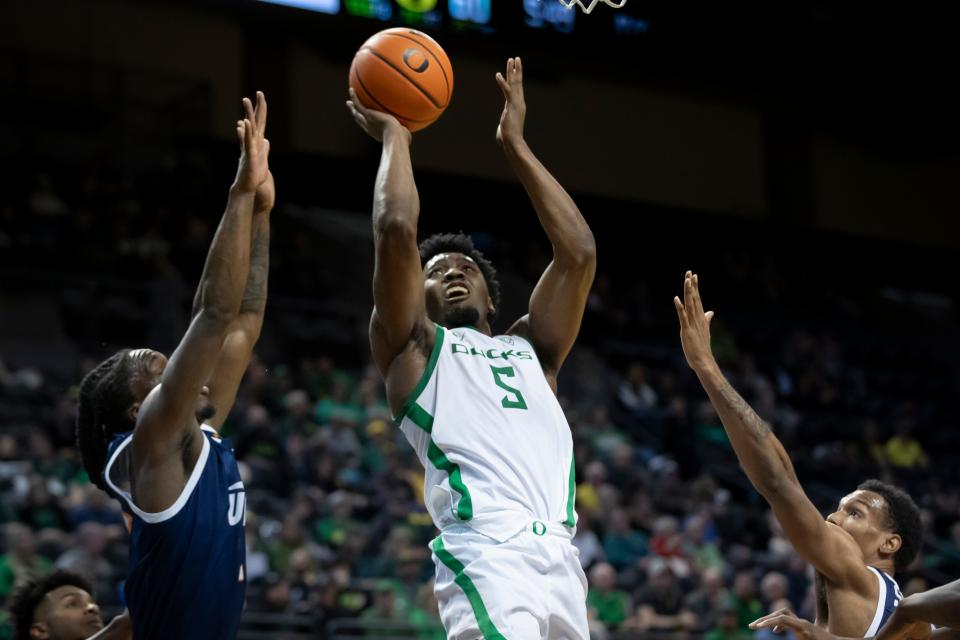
(457, 348)
(524, 355)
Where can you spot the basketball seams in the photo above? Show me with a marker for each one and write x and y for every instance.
(405, 76)
(439, 62)
(382, 107)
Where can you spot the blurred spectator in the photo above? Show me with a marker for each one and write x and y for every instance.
(743, 601)
(605, 602)
(21, 561)
(623, 545)
(727, 627)
(87, 559)
(773, 587)
(708, 599)
(903, 450)
(660, 602)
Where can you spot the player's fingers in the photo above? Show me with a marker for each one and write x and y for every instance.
(250, 134)
(510, 65)
(261, 112)
(781, 618)
(679, 307)
(519, 68)
(357, 104)
(504, 87)
(240, 134)
(248, 111)
(266, 148)
(709, 316)
(695, 289)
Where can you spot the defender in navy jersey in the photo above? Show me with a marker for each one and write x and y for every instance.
(874, 531)
(146, 426)
(933, 614)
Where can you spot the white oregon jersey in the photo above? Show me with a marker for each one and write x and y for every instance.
(495, 445)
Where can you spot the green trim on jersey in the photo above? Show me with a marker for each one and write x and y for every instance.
(425, 378)
(464, 509)
(487, 628)
(572, 494)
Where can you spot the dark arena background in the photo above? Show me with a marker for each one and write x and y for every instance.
(802, 157)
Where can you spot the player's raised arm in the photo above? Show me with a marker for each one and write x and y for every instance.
(169, 410)
(399, 314)
(557, 304)
(827, 547)
(940, 606)
(244, 331)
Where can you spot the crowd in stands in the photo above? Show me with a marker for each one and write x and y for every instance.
(669, 533)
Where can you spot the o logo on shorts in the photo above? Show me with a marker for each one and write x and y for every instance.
(539, 528)
(415, 59)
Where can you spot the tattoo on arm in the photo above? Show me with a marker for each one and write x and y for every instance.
(255, 293)
(754, 423)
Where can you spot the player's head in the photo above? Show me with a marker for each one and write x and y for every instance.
(109, 400)
(884, 520)
(460, 284)
(58, 606)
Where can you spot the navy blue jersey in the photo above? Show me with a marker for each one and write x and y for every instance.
(187, 574)
(888, 598)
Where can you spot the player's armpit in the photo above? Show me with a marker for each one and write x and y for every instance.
(830, 549)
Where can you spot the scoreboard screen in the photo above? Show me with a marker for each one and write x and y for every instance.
(485, 16)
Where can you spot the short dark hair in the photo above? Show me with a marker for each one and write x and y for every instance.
(461, 243)
(103, 404)
(26, 598)
(903, 518)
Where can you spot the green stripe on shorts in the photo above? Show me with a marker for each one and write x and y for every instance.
(487, 628)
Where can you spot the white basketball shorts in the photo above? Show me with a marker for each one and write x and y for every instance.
(530, 587)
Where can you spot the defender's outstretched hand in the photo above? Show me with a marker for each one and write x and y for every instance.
(785, 620)
(694, 324)
(254, 147)
(510, 129)
(375, 123)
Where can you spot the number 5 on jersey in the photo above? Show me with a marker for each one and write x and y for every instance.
(513, 399)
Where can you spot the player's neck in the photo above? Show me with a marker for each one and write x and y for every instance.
(883, 565)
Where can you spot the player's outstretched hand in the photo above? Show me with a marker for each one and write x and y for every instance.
(785, 620)
(254, 147)
(694, 325)
(510, 130)
(375, 123)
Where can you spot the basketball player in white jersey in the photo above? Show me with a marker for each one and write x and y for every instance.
(857, 549)
(481, 411)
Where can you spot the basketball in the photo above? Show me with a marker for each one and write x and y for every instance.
(403, 72)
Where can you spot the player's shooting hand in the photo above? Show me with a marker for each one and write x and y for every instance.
(785, 620)
(375, 123)
(510, 130)
(254, 147)
(694, 325)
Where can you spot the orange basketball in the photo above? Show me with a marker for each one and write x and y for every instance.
(405, 73)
